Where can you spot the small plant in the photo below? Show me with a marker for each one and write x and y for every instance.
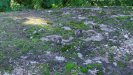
(66, 47)
(1, 55)
(44, 68)
(123, 18)
(70, 66)
(111, 57)
(121, 64)
(6, 68)
(34, 32)
(95, 66)
(128, 26)
(71, 69)
(116, 33)
(83, 69)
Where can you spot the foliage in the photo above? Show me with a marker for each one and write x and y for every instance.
(25, 2)
(121, 64)
(83, 69)
(66, 47)
(52, 3)
(44, 69)
(71, 69)
(77, 25)
(37, 4)
(70, 66)
(4, 5)
(96, 66)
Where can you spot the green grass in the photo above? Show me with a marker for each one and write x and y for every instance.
(121, 64)
(44, 68)
(71, 68)
(78, 25)
(97, 66)
(1, 55)
(83, 69)
(123, 18)
(128, 26)
(66, 48)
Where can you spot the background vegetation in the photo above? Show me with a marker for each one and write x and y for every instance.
(37, 4)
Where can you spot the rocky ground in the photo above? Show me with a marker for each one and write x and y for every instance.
(67, 41)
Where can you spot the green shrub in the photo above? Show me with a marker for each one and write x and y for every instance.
(4, 5)
(70, 66)
(83, 69)
(60, 3)
(77, 2)
(26, 3)
(52, 3)
(44, 68)
(37, 4)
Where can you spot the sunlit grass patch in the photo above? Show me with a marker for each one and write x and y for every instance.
(36, 21)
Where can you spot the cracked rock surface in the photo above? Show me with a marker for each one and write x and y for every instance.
(46, 42)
